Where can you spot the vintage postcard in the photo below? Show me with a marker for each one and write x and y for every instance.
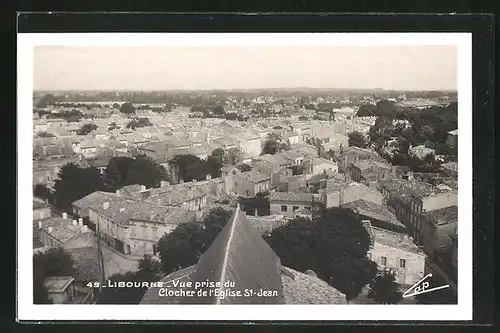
(328, 175)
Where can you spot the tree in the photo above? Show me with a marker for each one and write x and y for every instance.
(366, 110)
(45, 135)
(138, 122)
(115, 175)
(192, 167)
(150, 267)
(187, 242)
(86, 129)
(54, 262)
(334, 245)
(113, 126)
(116, 106)
(298, 169)
(74, 183)
(233, 156)
(42, 192)
(219, 109)
(357, 139)
(303, 118)
(384, 289)
(145, 171)
(274, 144)
(260, 203)
(127, 108)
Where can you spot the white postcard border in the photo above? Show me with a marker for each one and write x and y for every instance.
(28, 311)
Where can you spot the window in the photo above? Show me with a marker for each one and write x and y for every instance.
(295, 208)
(402, 263)
(284, 208)
(383, 261)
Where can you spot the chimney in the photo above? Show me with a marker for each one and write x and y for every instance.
(105, 205)
(118, 192)
(65, 215)
(80, 221)
(164, 183)
(74, 222)
(143, 188)
(209, 177)
(256, 212)
(50, 230)
(39, 224)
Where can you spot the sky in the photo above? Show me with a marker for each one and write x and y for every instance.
(250, 67)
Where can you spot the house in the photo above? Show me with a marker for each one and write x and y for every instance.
(397, 252)
(320, 165)
(134, 227)
(270, 164)
(266, 224)
(450, 169)
(424, 201)
(41, 210)
(379, 215)
(240, 259)
(421, 151)
(288, 203)
(452, 139)
(66, 233)
(335, 142)
(342, 194)
(353, 154)
(288, 183)
(250, 183)
(369, 172)
(438, 228)
(81, 206)
(60, 289)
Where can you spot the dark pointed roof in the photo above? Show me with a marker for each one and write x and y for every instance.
(239, 255)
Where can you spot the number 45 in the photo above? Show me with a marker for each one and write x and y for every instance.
(94, 284)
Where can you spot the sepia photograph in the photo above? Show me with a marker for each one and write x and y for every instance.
(245, 169)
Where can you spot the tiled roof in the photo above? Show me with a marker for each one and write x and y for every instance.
(302, 288)
(87, 263)
(396, 240)
(62, 229)
(175, 197)
(254, 176)
(292, 197)
(443, 215)
(373, 210)
(236, 248)
(98, 197)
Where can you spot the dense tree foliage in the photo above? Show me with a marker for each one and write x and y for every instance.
(86, 129)
(274, 144)
(187, 242)
(260, 203)
(54, 262)
(192, 167)
(113, 126)
(357, 139)
(138, 122)
(142, 170)
(74, 183)
(334, 247)
(244, 167)
(384, 289)
(127, 108)
(42, 192)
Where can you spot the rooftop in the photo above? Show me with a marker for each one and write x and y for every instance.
(396, 240)
(292, 197)
(241, 256)
(443, 215)
(57, 284)
(373, 210)
(94, 198)
(254, 176)
(62, 229)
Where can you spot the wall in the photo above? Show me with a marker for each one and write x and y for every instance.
(251, 148)
(428, 233)
(275, 208)
(41, 213)
(353, 193)
(144, 236)
(415, 264)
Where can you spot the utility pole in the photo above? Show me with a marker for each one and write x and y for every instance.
(102, 273)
